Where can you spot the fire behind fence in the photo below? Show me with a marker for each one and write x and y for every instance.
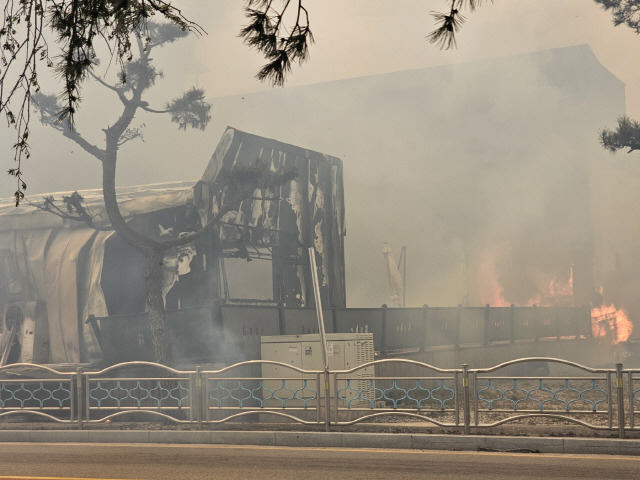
(465, 398)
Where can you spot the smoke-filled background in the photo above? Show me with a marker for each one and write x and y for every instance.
(482, 161)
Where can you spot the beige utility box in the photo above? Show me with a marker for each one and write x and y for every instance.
(345, 351)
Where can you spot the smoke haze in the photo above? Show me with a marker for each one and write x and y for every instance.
(492, 158)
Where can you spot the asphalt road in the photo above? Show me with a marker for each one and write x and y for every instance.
(196, 462)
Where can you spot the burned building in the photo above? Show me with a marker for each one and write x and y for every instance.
(61, 280)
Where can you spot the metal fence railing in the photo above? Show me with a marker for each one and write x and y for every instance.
(136, 389)
(260, 391)
(583, 396)
(261, 388)
(368, 391)
(44, 392)
(633, 397)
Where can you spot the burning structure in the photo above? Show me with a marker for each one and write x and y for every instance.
(539, 212)
(493, 164)
(60, 278)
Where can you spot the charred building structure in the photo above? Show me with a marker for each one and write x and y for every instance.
(525, 198)
(63, 282)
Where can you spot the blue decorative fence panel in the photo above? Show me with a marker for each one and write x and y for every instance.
(122, 390)
(40, 391)
(369, 391)
(262, 387)
(584, 398)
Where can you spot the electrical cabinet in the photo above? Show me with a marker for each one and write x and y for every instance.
(345, 351)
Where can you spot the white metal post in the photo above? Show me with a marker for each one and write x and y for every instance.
(323, 338)
(316, 292)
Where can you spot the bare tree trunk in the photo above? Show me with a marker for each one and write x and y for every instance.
(153, 254)
(153, 276)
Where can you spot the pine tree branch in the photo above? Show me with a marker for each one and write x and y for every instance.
(146, 108)
(113, 88)
(279, 43)
(74, 203)
(93, 150)
(625, 136)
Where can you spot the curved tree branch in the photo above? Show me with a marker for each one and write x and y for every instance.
(84, 144)
(121, 96)
(146, 108)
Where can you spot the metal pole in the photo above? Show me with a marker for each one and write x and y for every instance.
(316, 292)
(323, 338)
(631, 400)
(79, 396)
(336, 405)
(318, 401)
(466, 412)
(610, 397)
(198, 398)
(476, 416)
(327, 401)
(620, 396)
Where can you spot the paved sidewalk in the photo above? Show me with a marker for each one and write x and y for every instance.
(336, 439)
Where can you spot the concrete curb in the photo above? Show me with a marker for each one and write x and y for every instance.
(330, 439)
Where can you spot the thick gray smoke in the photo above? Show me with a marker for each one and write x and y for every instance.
(494, 161)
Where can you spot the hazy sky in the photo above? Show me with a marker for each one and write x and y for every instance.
(364, 37)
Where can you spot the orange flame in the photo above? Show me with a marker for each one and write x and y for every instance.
(496, 298)
(608, 318)
(490, 290)
(552, 292)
